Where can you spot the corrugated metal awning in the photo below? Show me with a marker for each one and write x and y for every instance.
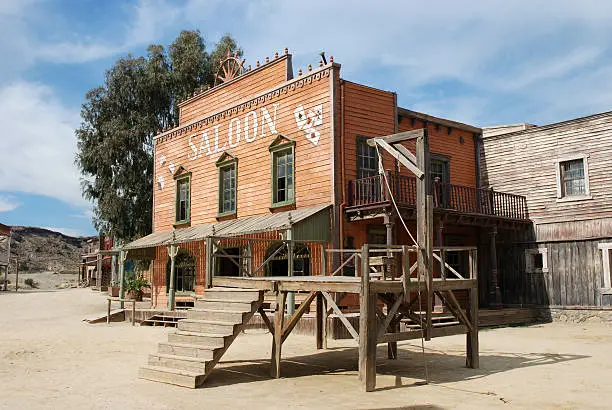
(241, 226)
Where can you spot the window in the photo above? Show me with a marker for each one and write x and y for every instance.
(440, 168)
(183, 199)
(573, 178)
(184, 272)
(227, 189)
(367, 159)
(282, 177)
(606, 258)
(536, 260)
(377, 235)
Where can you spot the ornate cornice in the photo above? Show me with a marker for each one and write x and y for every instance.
(289, 86)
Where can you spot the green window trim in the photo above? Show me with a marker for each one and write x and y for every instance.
(282, 186)
(182, 199)
(227, 195)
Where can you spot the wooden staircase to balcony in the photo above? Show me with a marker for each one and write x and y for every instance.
(192, 352)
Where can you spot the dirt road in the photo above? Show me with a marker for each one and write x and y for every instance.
(49, 358)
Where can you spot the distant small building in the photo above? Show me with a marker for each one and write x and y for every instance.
(563, 170)
(97, 267)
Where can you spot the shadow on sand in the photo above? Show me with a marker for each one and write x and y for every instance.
(408, 370)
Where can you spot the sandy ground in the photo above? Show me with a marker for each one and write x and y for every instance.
(49, 358)
(45, 280)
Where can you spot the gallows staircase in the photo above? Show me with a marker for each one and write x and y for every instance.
(199, 342)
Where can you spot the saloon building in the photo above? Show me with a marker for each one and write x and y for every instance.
(270, 154)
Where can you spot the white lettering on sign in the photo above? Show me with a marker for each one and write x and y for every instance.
(308, 122)
(249, 126)
(248, 129)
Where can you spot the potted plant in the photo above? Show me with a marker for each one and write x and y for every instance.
(135, 287)
(113, 289)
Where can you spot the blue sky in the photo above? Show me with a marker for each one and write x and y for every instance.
(482, 62)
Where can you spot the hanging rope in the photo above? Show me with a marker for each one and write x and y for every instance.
(381, 171)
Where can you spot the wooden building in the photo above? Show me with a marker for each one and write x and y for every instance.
(268, 150)
(563, 171)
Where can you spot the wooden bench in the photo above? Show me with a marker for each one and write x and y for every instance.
(116, 299)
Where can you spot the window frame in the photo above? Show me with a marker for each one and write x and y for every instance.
(179, 179)
(561, 196)
(529, 260)
(226, 161)
(606, 259)
(363, 140)
(275, 150)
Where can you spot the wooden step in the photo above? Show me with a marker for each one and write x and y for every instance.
(186, 349)
(215, 315)
(226, 305)
(192, 364)
(207, 326)
(228, 294)
(168, 375)
(203, 339)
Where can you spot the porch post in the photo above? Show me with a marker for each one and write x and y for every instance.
(172, 252)
(99, 271)
(122, 257)
(114, 269)
(494, 293)
(290, 295)
(440, 241)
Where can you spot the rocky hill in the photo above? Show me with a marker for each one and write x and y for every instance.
(39, 250)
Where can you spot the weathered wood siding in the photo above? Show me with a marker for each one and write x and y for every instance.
(524, 162)
(574, 277)
(229, 94)
(187, 147)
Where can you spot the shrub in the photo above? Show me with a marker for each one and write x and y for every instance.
(31, 283)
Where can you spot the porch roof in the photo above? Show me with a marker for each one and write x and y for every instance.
(241, 226)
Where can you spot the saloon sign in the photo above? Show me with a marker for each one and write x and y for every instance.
(255, 124)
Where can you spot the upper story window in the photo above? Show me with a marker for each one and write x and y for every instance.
(573, 178)
(228, 165)
(367, 159)
(283, 171)
(440, 168)
(183, 199)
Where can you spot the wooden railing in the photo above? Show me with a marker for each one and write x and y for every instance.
(373, 190)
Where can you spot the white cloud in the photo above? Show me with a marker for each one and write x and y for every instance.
(37, 133)
(8, 203)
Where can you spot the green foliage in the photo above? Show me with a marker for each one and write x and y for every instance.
(120, 118)
(31, 283)
(137, 284)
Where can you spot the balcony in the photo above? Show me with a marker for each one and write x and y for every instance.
(371, 193)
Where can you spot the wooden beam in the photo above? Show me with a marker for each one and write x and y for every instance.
(367, 326)
(266, 320)
(319, 321)
(406, 152)
(402, 136)
(416, 170)
(279, 316)
(416, 334)
(472, 359)
(341, 316)
(391, 311)
(293, 320)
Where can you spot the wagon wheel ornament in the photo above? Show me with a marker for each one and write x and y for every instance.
(229, 68)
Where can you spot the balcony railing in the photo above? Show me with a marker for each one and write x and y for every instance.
(373, 190)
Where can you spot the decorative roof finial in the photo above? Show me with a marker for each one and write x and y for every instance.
(267, 59)
(309, 67)
(331, 59)
(286, 51)
(276, 55)
(249, 69)
(299, 72)
(257, 65)
(320, 63)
